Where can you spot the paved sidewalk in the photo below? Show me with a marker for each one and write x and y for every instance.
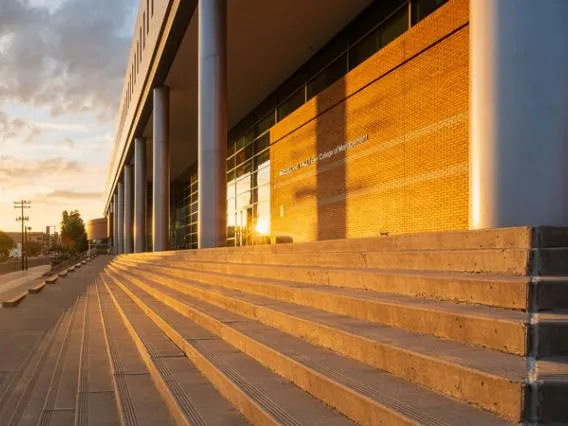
(21, 278)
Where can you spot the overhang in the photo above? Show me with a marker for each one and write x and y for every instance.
(267, 42)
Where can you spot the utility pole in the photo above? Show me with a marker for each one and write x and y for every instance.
(55, 235)
(23, 204)
(27, 235)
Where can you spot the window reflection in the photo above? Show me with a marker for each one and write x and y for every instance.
(248, 188)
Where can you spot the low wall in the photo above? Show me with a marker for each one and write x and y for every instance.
(7, 267)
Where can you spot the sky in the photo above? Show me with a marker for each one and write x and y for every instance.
(62, 64)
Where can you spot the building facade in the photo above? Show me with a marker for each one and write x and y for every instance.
(264, 122)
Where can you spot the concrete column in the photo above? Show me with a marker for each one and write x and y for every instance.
(109, 218)
(161, 170)
(212, 123)
(120, 210)
(115, 223)
(518, 113)
(128, 208)
(140, 195)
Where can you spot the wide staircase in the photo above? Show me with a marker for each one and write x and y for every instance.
(455, 328)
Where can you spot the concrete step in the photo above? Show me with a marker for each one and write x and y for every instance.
(139, 402)
(96, 400)
(259, 394)
(503, 330)
(511, 292)
(488, 261)
(26, 399)
(466, 373)
(366, 395)
(59, 405)
(191, 399)
(502, 238)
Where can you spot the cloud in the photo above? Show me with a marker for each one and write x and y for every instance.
(11, 128)
(15, 173)
(67, 56)
(61, 127)
(66, 143)
(68, 195)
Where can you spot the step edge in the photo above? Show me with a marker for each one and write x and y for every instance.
(171, 302)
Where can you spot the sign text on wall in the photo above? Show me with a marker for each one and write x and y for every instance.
(324, 155)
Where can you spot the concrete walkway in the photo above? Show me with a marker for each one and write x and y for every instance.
(20, 278)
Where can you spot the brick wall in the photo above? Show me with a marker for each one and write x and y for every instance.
(406, 109)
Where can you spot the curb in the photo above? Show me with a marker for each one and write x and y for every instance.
(14, 301)
(37, 288)
(51, 280)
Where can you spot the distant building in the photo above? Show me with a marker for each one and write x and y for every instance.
(97, 234)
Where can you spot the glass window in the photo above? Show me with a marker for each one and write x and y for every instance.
(232, 146)
(243, 200)
(240, 157)
(371, 17)
(264, 124)
(249, 151)
(394, 27)
(290, 86)
(379, 37)
(243, 184)
(193, 208)
(292, 103)
(262, 143)
(244, 169)
(231, 163)
(262, 227)
(332, 73)
(420, 9)
(231, 204)
(264, 194)
(364, 49)
(329, 53)
(263, 174)
(231, 188)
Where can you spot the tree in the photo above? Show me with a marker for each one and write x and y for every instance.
(6, 244)
(73, 235)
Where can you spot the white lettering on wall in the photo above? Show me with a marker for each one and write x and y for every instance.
(324, 155)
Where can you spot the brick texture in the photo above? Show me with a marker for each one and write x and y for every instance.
(406, 108)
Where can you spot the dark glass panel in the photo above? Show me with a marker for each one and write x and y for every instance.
(232, 146)
(240, 157)
(261, 159)
(376, 13)
(332, 73)
(249, 151)
(379, 37)
(262, 143)
(263, 125)
(291, 104)
(230, 163)
(422, 8)
(394, 27)
(328, 53)
(290, 86)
